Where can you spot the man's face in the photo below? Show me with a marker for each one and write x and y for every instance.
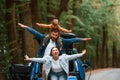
(54, 36)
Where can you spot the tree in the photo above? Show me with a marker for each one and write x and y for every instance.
(28, 39)
(35, 18)
(11, 29)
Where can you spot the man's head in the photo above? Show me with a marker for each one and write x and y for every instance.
(55, 33)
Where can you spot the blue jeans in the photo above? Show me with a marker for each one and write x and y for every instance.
(58, 75)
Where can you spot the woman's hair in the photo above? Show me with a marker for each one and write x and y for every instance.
(52, 49)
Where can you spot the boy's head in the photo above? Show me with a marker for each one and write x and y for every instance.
(55, 22)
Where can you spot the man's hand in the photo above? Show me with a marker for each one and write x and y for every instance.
(38, 24)
(86, 39)
(21, 25)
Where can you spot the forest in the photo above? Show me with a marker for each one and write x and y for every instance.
(98, 19)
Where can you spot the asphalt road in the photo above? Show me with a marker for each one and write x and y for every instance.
(104, 74)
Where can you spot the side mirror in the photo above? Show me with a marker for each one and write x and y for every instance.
(86, 64)
(74, 51)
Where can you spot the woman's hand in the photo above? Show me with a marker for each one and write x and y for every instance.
(26, 58)
(84, 51)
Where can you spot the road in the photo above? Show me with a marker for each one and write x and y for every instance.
(104, 74)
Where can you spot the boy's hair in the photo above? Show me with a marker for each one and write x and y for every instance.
(55, 30)
(55, 21)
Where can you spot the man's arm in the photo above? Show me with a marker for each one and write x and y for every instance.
(74, 40)
(33, 31)
(86, 39)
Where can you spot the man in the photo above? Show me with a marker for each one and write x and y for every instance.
(54, 25)
(44, 50)
(52, 42)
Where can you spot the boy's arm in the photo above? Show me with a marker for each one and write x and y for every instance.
(43, 25)
(63, 29)
(49, 26)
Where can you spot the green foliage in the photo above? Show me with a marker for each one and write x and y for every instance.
(5, 56)
(91, 16)
(95, 15)
(47, 8)
(5, 52)
(43, 10)
(77, 19)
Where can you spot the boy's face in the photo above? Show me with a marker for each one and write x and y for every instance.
(55, 22)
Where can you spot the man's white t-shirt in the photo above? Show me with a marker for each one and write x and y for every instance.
(50, 45)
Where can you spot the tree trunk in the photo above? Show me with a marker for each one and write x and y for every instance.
(63, 7)
(3, 76)
(104, 57)
(114, 55)
(50, 10)
(97, 60)
(35, 18)
(35, 13)
(28, 39)
(74, 13)
(118, 58)
(11, 29)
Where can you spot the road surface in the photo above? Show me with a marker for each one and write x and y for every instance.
(104, 74)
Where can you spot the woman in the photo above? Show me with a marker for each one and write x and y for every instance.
(56, 67)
